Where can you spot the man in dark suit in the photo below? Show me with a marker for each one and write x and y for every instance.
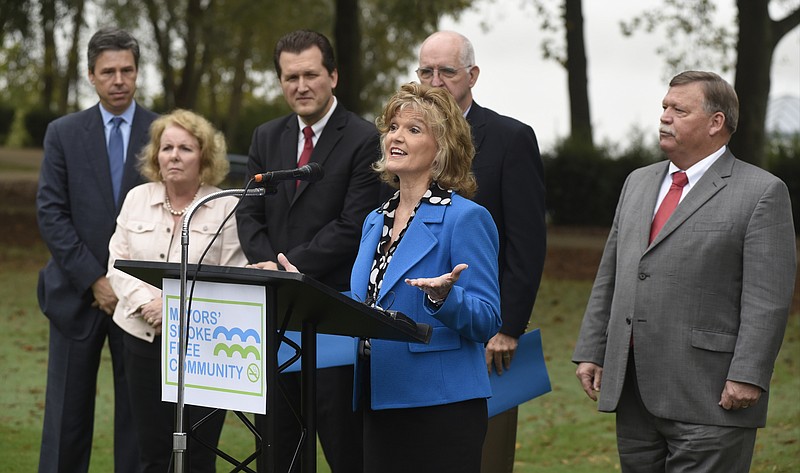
(77, 208)
(316, 225)
(689, 307)
(510, 177)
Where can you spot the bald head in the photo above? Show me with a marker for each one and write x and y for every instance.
(447, 59)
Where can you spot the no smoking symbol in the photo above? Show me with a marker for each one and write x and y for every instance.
(253, 372)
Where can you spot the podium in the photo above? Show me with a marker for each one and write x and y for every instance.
(299, 303)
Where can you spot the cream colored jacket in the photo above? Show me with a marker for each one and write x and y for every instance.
(146, 231)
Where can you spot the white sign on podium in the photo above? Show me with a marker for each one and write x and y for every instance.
(226, 352)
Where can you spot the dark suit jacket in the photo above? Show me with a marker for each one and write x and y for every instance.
(317, 226)
(510, 177)
(706, 302)
(77, 215)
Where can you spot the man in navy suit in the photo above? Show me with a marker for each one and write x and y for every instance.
(77, 210)
(510, 177)
(317, 225)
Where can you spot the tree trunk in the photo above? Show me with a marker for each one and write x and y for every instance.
(758, 37)
(186, 93)
(578, 82)
(50, 70)
(71, 76)
(161, 38)
(754, 57)
(231, 122)
(347, 42)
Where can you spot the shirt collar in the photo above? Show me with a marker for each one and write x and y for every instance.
(320, 124)
(127, 114)
(696, 171)
(435, 195)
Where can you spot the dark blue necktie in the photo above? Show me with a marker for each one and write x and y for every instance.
(116, 156)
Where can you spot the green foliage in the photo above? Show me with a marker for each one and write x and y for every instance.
(14, 17)
(19, 71)
(36, 122)
(574, 186)
(6, 120)
(218, 59)
(254, 114)
(391, 32)
(692, 23)
(583, 182)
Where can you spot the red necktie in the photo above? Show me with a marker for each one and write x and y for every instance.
(308, 147)
(669, 203)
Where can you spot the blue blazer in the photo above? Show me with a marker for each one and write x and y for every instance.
(451, 367)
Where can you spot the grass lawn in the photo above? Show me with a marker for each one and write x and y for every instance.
(558, 432)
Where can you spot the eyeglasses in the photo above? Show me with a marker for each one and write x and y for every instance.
(444, 71)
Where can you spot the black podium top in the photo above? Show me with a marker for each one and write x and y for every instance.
(303, 298)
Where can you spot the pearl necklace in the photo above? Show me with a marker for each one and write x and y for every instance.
(174, 212)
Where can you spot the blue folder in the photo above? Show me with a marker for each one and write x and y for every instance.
(527, 378)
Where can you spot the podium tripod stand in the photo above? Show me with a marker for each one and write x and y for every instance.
(298, 303)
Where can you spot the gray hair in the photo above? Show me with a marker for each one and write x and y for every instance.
(718, 95)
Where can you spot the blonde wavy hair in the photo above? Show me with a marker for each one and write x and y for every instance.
(453, 162)
(214, 165)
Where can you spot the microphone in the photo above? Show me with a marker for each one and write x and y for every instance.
(311, 172)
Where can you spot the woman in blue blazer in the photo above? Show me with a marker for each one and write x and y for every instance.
(430, 253)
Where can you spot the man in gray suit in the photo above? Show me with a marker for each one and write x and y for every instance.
(77, 206)
(685, 321)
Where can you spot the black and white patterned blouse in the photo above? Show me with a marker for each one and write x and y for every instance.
(435, 195)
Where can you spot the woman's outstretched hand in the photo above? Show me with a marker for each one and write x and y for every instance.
(439, 287)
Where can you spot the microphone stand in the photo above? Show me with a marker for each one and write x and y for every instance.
(179, 441)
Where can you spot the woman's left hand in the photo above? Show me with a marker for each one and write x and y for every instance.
(439, 287)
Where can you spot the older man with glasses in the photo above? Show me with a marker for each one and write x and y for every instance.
(510, 177)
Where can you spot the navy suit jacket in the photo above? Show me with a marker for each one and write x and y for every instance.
(316, 225)
(452, 366)
(510, 177)
(77, 214)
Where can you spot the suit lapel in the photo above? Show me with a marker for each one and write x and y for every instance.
(369, 242)
(96, 153)
(713, 181)
(649, 195)
(477, 120)
(288, 157)
(416, 244)
(138, 140)
(331, 135)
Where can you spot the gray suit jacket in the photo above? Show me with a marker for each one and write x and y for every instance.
(706, 302)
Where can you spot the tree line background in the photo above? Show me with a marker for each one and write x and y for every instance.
(215, 57)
